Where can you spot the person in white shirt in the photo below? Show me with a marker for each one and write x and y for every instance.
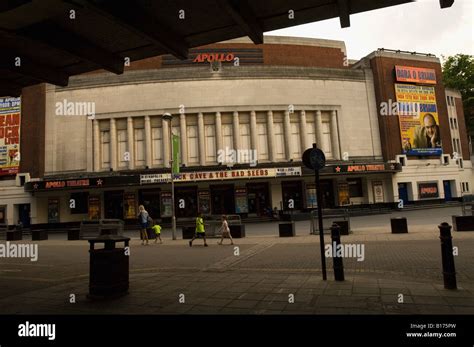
(225, 231)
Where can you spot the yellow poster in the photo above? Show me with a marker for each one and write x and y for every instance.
(418, 117)
(10, 110)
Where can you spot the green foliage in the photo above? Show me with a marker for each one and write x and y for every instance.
(458, 73)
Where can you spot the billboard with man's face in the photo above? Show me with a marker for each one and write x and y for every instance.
(419, 122)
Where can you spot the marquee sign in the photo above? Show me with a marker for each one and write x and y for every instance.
(415, 75)
(221, 175)
(364, 168)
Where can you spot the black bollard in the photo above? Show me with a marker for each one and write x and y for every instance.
(336, 261)
(449, 273)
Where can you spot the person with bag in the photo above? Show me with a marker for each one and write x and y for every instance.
(225, 231)
(143, 219)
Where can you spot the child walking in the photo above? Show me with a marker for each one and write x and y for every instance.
(225, 231)
(157, 229)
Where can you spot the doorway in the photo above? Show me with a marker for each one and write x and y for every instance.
(185, 200)
(222, 198)
(447, 191)
(292, 192)
(403, 192)
(113, 204)
(258, 198)
(24, 214)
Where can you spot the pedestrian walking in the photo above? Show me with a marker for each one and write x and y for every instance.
(143, 219)
(225, 231)
(200, 232)
(157, 229)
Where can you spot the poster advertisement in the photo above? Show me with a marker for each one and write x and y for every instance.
(53, 210)
(10, 109)
(343, 193)
(311, 196)
(129, 206)
(204, 202)
(241, 203)
(418, 117)
(428, 190)
(377, 187)
(94, 207)
(166, 204)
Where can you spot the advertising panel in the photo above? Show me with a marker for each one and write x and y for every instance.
(415, 75)
(419, 127)
(10, 110)
(428, 190)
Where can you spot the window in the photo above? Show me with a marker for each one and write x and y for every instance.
(245, 142)
(311, 132)
(157, 144)
(210, 134)
(122, 148)
(455, 122)
(467, 186)
(279, 140)
(402, 161)
(227, 138)
(262, 146)
(139, 137)
(451, 123)
(295, 141)
(459, 145)
(355, 187)
(448, 99)
(326, 145)
(105, 149)
(193, 144)
(454, 146)
(80, 202)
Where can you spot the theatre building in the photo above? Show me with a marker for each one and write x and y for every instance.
(243, 115)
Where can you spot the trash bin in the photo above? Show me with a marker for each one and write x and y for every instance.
(344, 227)
(286, 229)
(74, 234)
(15, 234)
(237, 231)
(188, 232)
(109, 268)
(463, 223)
(399, 225)
(38, 235)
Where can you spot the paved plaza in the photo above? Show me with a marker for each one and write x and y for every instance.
(265, 274)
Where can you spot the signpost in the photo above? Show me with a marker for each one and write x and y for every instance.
(315, 159)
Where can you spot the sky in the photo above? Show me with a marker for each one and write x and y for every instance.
(420, 26)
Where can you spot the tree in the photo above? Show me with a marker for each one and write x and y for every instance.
(458, 73)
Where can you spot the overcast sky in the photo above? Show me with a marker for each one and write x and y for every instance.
(421, 26)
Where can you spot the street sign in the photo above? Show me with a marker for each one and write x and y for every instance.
(314, 158)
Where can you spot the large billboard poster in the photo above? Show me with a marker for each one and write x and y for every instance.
(10, 109)
(418, 117)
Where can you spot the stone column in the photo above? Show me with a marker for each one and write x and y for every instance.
(253, 130)
(130, 149)
(303, 137)
(319, 129)
(236, 130)
(148, 144)
(335, 136)
(202, 148)
(183, 139)
(287, 129)
(271, 137)
(96, 136)
(166, 142)
(113, 144)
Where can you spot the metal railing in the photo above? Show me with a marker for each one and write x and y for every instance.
(331, 216)
(94, 228)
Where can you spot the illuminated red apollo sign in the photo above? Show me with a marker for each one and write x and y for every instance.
(211, 57)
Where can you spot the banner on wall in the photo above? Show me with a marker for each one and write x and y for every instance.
(419, 126)
(10, 113)
(377, 187)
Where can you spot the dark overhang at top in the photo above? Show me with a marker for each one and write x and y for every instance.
(50, 40)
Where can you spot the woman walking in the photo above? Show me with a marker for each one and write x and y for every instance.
(225, 231)
(143, 219)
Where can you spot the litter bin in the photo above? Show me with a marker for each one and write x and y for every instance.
(109, 268)
(74, 234)
(38, 235)
(286, 229)
(237, 231)
(399, 225)
(188, 232)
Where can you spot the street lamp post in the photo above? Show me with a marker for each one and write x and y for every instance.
(167, 117)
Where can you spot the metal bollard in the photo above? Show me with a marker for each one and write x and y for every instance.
(449, 272)
(336, 261)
